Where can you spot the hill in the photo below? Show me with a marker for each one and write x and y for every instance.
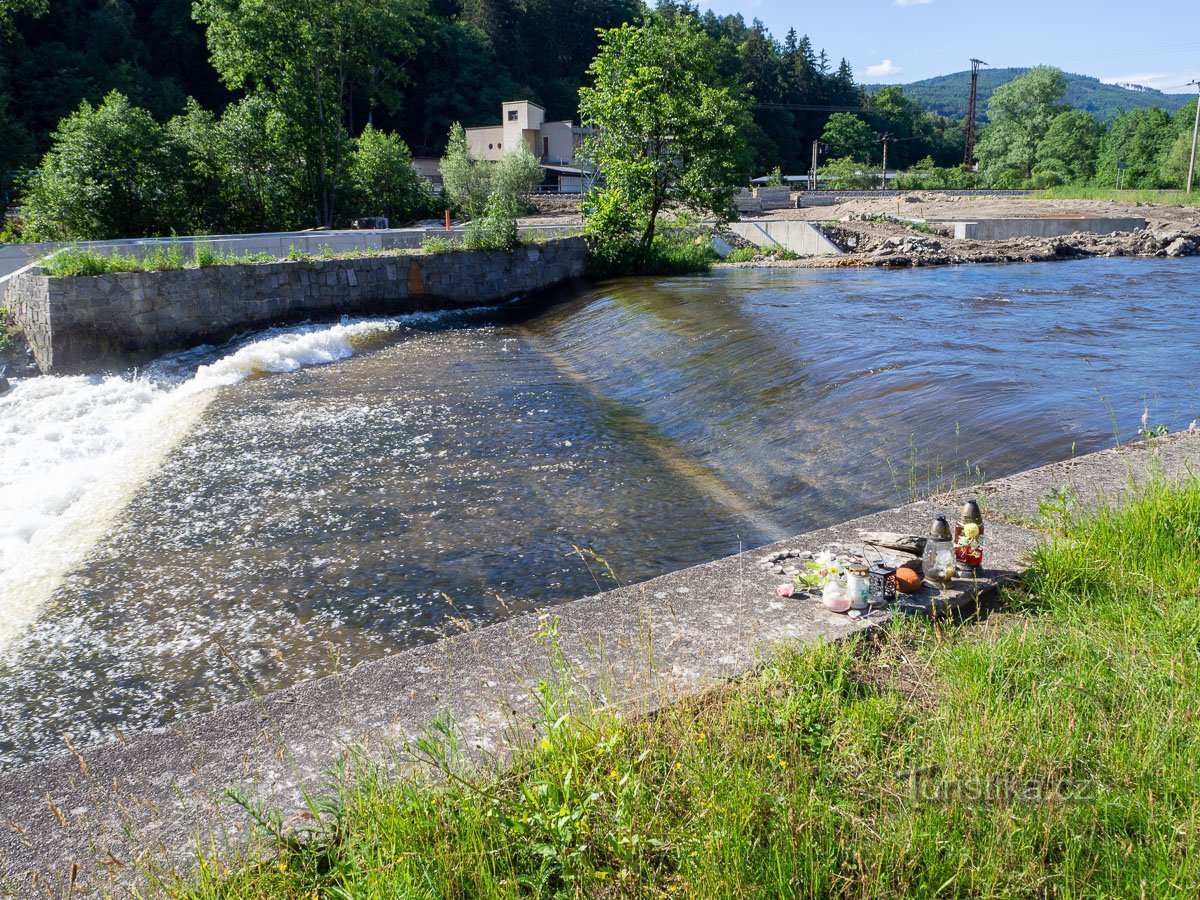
(947, 94)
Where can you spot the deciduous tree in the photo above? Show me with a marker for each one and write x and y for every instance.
(664, 129)
(1020, 114)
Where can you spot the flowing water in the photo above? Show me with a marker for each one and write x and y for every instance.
(242, 518)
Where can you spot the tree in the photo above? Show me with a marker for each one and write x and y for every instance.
(111, 172)
(1067, 154)
(384, 180)
(663, 129)
(310, 56)
(1019, 116)
(513, 179)
(849, 174)
(1140, 139)
(846, 135)
(466, 182)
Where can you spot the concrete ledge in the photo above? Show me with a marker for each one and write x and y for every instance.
(89, 324)
(1048, 227)
(800, 237)
(636, 647)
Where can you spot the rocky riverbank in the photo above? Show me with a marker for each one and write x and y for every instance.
(890, 243)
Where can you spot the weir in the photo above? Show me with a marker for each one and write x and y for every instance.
(106, 322)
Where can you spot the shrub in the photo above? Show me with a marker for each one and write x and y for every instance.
(466, 183)
(496, 230)
(110, 172)
(441, 245)
(514, 179)
(742, 255)
(383, 180)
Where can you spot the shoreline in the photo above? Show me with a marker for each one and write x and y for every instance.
(637, 648)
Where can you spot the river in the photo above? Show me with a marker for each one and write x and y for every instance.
(233, 520)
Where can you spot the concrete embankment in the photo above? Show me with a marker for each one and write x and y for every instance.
(152, 795)
(88, 324)
(1044, 227)
(799, 237)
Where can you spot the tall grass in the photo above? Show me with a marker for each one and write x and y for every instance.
(1177, 198)
(1048, 752)
(76, 261)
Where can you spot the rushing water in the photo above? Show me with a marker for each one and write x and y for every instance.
(311, 497)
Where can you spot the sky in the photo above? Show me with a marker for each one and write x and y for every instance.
(1151, 42)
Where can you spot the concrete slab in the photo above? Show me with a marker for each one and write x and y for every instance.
(1044, 227)
(800, 237)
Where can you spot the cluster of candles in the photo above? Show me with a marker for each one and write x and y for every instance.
(948, 552)
(959, 552)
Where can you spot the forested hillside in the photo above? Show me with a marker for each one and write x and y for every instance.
(947, 95)
(461, 59)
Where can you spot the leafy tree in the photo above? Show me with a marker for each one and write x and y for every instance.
(1020, 114)
(384, 180)
(1067, 154)
(846, 135)
(848, 174)
(466, 182)
(310, 56)
(9, 9)
(261, 188)
(1140, 139)
(665, 130)
(1177, 158)
(112, 172)
(514, 178)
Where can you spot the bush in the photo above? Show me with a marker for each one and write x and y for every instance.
(673, 252)
(466, 183)
(111, 172)
(496, 230)
(383, 180)
(441, 245)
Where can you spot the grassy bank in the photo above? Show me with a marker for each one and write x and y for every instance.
(1050, 751)
(1166, 198)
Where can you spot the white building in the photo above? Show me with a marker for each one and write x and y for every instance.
(523, 124)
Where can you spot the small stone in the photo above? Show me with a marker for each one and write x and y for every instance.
(791, 570)
(778, 570)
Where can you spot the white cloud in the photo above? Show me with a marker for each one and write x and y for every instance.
(910, 2)
(1171, 82)
(885, 69)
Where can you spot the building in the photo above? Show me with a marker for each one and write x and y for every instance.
(523, 124)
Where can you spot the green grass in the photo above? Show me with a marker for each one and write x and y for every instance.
(76, 261)
(1051, 751)
(1166, 198)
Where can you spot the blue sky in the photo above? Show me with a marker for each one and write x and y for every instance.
(1151, 42)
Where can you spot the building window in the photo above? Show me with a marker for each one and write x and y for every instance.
(489, 146)
(498, 146)
(512, 115)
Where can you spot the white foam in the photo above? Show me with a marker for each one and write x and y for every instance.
(73, 450)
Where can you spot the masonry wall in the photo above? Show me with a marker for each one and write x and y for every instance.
(109, 321)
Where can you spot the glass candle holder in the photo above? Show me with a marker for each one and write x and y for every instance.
(938, 558)
(968, 537)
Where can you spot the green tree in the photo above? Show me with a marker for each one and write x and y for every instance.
(384, 180)
(112, 172)
(1067, 154)
(1020, 114)
(848, 174)
(310, 56)
(846, 135)
(1140, 139)
(466, 182)
(665, 130)
(514, 178)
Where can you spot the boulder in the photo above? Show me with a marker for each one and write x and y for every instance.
(1182, 247)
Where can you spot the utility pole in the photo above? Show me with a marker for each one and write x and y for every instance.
(969, 149)
(883, 179)
(812, 173)
(1195, 136)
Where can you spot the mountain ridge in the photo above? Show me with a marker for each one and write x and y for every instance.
(947, 94)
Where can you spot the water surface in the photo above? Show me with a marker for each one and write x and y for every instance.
(319, 496)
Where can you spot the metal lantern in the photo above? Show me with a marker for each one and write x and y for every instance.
(968, 538)
(883, 584)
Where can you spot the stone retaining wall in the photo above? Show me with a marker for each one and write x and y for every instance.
(109, 321)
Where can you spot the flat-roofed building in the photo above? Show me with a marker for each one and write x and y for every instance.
(523, 125)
